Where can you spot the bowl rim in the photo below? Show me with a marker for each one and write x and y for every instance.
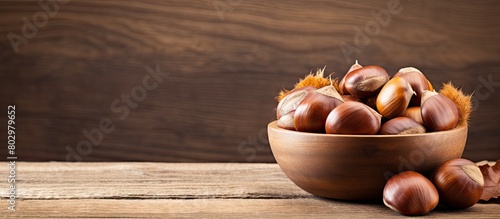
(273, 125)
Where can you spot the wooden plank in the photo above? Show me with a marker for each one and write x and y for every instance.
(224, 74)
(56, 180)
(159, 190)
(223, 208)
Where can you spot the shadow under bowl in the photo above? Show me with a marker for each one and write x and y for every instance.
(356, 167)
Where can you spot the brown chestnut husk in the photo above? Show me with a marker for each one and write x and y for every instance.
(459, 183)
(353, 118)
(410, 193)
(438, 112)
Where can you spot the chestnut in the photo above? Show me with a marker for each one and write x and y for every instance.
(286, 121)
(353, 118)
(394, 97)
(290, 102)
(371, 102)
(401, 126)
(342, 89)
(366, 81)
(350, 98)
(438, 112)
(418, 82)
(311, 114)
(413, 113)
(410, 193)
(459, 183)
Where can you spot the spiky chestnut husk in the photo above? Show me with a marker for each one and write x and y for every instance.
(461, 100)
(316, 80)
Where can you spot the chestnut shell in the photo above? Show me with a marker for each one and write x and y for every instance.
(439, 113)
(366, 81)
(401, 126)
(418, 82)
(410, 193)
(352, 118)
(459, 183)
(311, 114)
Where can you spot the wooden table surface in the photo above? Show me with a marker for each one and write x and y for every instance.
(200, 190)
(224, 73)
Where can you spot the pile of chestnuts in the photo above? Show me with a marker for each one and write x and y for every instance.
(366, 102)
(457, 183)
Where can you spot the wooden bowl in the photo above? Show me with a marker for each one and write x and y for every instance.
(356, 167)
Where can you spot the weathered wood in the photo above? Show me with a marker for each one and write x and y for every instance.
(225, 208)
(200, 190)
(223, 74)
(56, 180)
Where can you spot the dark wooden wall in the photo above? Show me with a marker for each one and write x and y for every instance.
(223, 74)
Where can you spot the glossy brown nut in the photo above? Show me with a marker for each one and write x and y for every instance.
(413, 113)
(438, 112)
(311, 114)
(353, 118)
(342, 89)
(410, 193)
(366, 81)
(418, 82)
(401, 126)
(350, 98)
(394, 97)
(459, 183)
(291, 101)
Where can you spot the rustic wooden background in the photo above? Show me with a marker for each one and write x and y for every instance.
(226, 61)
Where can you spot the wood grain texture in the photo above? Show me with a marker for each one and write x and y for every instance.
(224, 208)
(218, 98)
(57, 180)
(200, 190)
